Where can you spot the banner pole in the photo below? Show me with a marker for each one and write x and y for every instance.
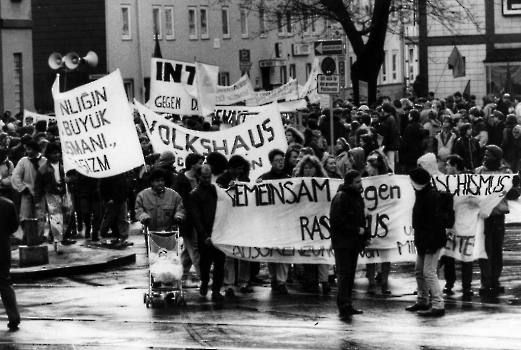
(332, 146)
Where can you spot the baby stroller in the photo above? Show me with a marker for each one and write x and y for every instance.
(165, 270)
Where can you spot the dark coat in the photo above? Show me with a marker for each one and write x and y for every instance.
(339, 130)
(203, 205)
(271, 175)
(429, 233)
(469, 150)
(9, 225)
(391, 134)
(346, 216)
(183, 186)
(114, 188)
(411, 146)
(45, 181)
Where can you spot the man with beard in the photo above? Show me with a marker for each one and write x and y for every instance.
(494, 225)
(349, 236)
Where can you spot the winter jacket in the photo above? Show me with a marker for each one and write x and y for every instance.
(346, 217)
(429, 233)
(161, 208)
(203, 205)
(339, 130)
(6, 172)
(24, 174)
(271, 175)
(445, 144)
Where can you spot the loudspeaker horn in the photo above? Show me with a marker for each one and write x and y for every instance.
(91, 59)
(55, 60)
(72, 60)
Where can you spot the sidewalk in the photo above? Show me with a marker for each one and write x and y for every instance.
(82, 257)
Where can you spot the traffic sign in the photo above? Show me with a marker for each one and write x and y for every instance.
(328, 84)
(244, 55)
(329, 47)
(328, 66)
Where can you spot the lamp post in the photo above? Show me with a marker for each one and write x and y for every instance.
(71, 62)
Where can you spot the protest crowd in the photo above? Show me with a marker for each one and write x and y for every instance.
(452, 135)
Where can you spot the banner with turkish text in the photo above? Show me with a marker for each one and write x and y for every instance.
(97, 131)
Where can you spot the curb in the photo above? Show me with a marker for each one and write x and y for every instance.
(79, 269)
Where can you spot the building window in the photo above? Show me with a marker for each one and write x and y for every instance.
(289, 23)
(205, 34)
(126, 32)
(395, 65)
(308, 70)
(224, 78)
(244, 23)
(129, 88)
(18, 86)
(293, 71)
(192, 23)
(262, 23)
(226, 22)
(305, 23)
(280, 24)
(156, 17)
(169, 23)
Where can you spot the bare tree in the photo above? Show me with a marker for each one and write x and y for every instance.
(365, 23)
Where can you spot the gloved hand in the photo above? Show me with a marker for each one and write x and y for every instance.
(146, 222)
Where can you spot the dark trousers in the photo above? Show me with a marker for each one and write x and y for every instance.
(345, 260)
(8, 296)
(449, 266)
(91, 213)
(115, 214)
(494, 236)
(211, 255)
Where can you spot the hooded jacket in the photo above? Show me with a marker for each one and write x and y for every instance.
(428, 162)
(346, 216)
(429, 233)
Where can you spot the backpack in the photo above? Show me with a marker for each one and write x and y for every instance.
(446, 213)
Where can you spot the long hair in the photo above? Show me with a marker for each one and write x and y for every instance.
(314, 161)
(381, 163)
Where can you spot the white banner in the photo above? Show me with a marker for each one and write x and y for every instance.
(253, 139)
(206, 87)
(241, 91)
(31, 118)
(173, 87)
(288, 220)
(230, 116)
(97, 131)
(288, 91)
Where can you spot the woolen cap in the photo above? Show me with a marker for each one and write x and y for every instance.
(420, 176)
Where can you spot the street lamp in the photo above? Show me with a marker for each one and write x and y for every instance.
(71, 61)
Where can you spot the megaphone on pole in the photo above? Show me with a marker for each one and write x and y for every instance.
(55, 60)
(72, 60)
(91, 59)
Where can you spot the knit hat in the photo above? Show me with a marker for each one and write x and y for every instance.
(496, 151)
(419, 178)
(167, 157)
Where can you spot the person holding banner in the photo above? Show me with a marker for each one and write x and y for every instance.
(203, 205)
(349, 236)
(310, 166)
(494, 230)
(24, 175)
(378, 164)
(237, 171)
(429, 238)
(278, 271)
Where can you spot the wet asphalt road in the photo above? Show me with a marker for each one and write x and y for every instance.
(106, 311)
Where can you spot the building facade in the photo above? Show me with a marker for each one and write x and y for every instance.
(489, 41)
(16, 66)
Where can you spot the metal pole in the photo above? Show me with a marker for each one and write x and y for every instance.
(331, 125)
